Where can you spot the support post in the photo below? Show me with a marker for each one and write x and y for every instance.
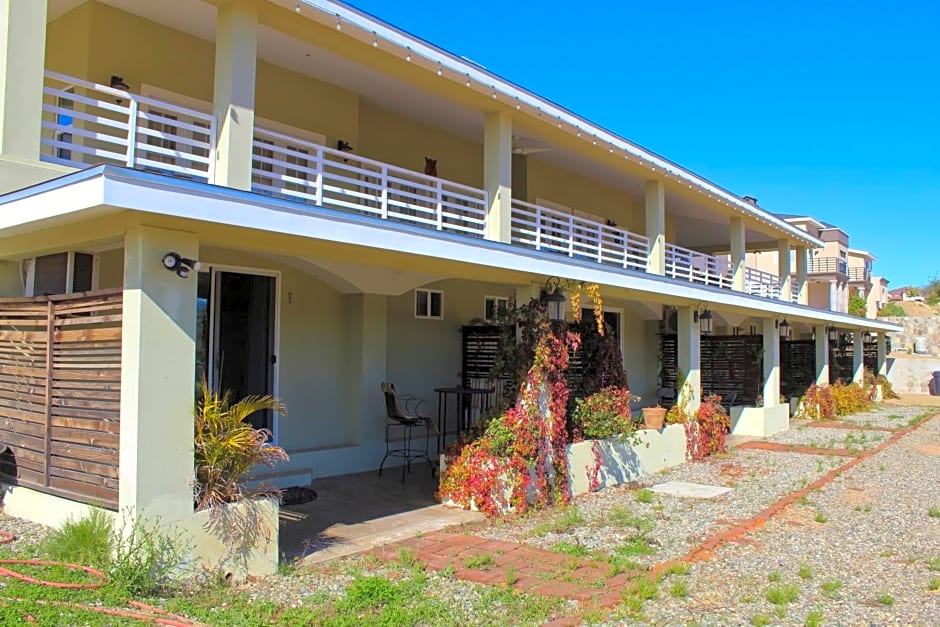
(22, 63)
(833, 296)
(738, 254)
(771, 390)
(689, 359)
(497, 175)
(882, 354)
(783, 270)
(158, 371)
(802, 275)
(368, 342)
(236, 51)
(858, 356)
(822, 356)
(656, 227)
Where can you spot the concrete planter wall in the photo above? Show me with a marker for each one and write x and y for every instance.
(622, 462)
(760, 421)
(255, 555)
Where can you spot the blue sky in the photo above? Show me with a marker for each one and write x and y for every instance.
(829, 108)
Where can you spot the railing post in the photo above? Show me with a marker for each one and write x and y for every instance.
(538, 228)
(571, 235)
(383, 181)
(439, 190)
(600, 243)
(132, 112)
(210, 170)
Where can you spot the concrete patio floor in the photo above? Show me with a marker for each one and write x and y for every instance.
(354, 513)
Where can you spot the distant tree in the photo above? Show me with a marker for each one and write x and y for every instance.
(931, 291)
(892, 310)
(857, 305)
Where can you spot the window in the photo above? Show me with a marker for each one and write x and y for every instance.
(494, 307)
(429, 304)
(61, 273)
(612, 321)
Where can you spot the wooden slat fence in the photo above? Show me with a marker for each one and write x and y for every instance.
(60, 394)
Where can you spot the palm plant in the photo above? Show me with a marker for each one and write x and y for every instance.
(227, 447)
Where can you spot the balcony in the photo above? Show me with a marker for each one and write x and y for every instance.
(541, 228)
(696, 267)
(860, 274)
(86, 124)
(826, 265)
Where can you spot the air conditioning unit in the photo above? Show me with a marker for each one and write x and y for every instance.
(670, 322)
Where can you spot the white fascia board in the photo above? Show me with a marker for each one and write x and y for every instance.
(55, 202)
(452, 63)
(136, 191)
(862, 253)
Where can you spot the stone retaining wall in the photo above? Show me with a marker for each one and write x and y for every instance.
(927, 327)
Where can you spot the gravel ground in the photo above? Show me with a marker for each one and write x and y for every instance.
(887, 415)
(25, 533)
(872, 561)
(808, 435)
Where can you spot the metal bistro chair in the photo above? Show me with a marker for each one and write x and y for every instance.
(408, 418)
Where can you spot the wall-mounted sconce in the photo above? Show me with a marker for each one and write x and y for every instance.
(783, 327)
(553, 297)
(182, 266)
(833, 335)
(117, 82)
(344, 146)
(704, 319)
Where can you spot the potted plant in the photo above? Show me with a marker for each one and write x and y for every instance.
(654, 417)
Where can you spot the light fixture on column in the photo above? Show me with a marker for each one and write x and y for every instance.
(783, 327)
(553, 297)
(704, 319)
(833, 335)
(117, 82)
(180, 265)
(297, 6)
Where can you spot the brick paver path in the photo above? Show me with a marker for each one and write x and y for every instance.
(780, 447)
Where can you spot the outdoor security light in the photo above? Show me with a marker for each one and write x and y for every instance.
(180, 265)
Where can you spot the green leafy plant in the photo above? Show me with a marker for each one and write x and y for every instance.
(604, 414)
(857, 306)
(227, 447)
(892, 310)
(87, 540)
(838, 399)
(645, 495)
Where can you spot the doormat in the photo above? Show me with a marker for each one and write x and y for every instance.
(690, 490)
(297, 495)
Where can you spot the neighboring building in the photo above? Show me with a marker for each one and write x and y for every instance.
(905, 294)
(285, 150)
(835, 271)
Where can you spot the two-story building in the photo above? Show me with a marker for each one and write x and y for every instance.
(298, 198)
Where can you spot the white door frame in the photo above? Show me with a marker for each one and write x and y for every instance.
(213, 269)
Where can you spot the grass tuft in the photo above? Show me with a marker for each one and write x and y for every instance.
(645, 495)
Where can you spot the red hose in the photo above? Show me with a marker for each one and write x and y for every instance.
(144, 612)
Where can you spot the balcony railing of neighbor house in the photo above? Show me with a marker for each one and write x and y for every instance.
(541, 228)
(697, 267)
(824, 265)
(86, 124)
(859, 274)
(311, 173)
(60, 394)
(794, 292)
(760, 283)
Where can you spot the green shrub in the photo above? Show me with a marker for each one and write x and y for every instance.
(604, 414)
(857, 306)
(825, 403)
(88, 540)
(892, 310)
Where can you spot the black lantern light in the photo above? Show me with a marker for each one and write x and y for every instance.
(704, 319)
(554, 299)
(783, 327)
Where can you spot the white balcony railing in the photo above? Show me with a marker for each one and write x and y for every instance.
(310, 173)
(760, 283)
(541, 228)
(697, 267)
(86, 124)
(794, 292)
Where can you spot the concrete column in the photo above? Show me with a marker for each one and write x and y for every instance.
(783, 269)
(236, 51)
(656, 227)
(368, 366)
(833, 296)
(497, 175)
(882, 354)
(158, 357)
(22, 62)
(858, 356)
(689, 359)
(738, 254)
(771, 364)
(822, 356)
(802, 275)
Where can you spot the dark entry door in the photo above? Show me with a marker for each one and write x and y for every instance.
(243, 328)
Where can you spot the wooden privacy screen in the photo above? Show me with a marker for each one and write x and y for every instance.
(60, 394)
(797, 366)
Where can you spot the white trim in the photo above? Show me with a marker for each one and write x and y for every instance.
(29, 286)
(429, 315)
(496, 298)
(212, 269)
